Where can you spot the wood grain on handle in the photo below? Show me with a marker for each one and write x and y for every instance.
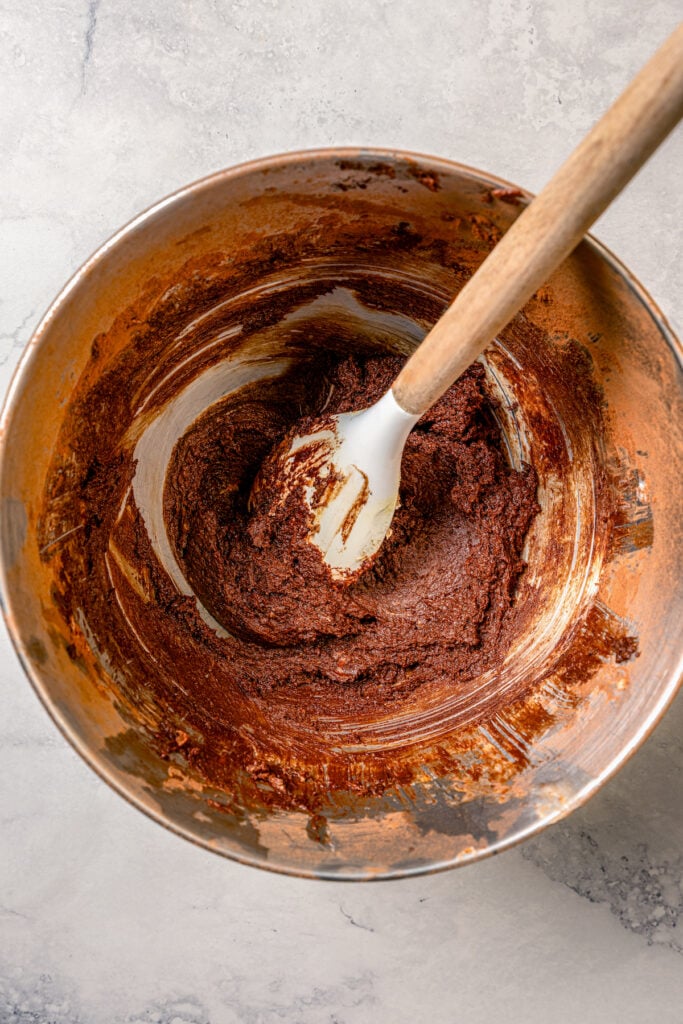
(549, 228)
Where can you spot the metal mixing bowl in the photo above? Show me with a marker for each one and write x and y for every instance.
(587, 385)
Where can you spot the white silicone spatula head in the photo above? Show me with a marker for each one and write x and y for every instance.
(349, 471)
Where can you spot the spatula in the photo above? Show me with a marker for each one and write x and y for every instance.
(349, 468)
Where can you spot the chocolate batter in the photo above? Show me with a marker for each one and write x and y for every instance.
(435, 604)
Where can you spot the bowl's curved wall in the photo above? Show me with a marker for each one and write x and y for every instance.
(605, 558)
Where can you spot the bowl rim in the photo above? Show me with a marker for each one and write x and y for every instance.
(23, 366)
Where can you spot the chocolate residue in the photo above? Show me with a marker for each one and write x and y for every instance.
(428, 178)
(507, 195)
(601, 637)
(633, 522)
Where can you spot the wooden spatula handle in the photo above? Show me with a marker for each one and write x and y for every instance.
(549, 228)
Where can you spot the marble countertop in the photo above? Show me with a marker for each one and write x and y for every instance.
(105, 918)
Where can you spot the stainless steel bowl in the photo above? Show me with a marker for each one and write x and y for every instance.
(588, 383)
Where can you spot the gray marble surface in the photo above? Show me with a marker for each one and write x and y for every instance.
(105, 105)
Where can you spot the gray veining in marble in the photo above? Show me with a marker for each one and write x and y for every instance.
(106, 105)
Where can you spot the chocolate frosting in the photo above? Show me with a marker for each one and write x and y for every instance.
(435, 604)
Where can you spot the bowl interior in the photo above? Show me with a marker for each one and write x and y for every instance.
(241, 279)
